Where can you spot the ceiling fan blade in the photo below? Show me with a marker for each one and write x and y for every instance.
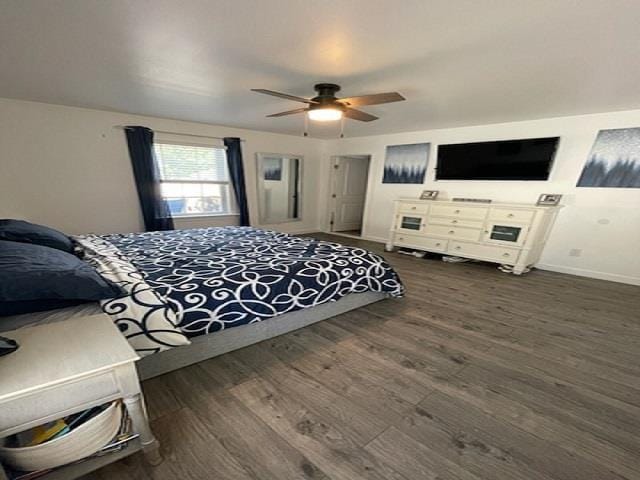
(375, 99)
(283, 95)
(288, 112)
(359, 115)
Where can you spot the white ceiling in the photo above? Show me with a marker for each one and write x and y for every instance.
(458, 62)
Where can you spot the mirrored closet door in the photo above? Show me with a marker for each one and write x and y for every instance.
(279, 187)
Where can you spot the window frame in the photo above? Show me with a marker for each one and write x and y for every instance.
(232, 202)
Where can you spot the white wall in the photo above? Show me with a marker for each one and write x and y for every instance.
(69, 168)
(602, 222)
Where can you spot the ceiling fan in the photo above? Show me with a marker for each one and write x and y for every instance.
(325, 107)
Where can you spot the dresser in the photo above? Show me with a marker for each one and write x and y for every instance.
(511, 234)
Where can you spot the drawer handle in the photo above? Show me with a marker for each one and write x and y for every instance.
(451, 232)
(506, 254)
(458, 247)
(400, 238)
(456, 211)
(454, 221)
(413, 208)
(511, 215)
(438, 244)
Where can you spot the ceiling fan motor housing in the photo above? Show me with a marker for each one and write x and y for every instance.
(334, 108)
(326, 96)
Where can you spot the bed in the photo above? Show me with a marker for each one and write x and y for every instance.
(194, 294)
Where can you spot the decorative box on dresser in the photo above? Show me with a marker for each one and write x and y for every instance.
(66, 367)
(511, 234)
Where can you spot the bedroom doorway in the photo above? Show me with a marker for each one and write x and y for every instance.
(349, 179)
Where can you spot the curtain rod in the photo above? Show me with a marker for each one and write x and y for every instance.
(124, 127)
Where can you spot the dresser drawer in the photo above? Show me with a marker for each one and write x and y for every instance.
(506, 214)
(456, 222)
(461, 233)
(436, 244)
(420, 242)
(461, 212)
(407, 240)
(484, 252)
(413, 208)
(512, 235)
(410, 223)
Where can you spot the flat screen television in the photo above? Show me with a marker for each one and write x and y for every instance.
(528, 159)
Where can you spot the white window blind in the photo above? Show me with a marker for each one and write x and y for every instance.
(195, 180)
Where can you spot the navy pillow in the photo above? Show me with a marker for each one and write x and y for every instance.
(25, 232)
(35, 278)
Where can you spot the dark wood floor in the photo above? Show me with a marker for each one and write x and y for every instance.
(475, 374)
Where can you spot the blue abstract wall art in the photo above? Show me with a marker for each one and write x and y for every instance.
(406, 163)
(614, 161)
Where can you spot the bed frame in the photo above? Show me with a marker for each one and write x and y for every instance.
(209, 346)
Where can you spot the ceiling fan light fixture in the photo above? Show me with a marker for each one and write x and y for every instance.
(326, 107)
(328, 114)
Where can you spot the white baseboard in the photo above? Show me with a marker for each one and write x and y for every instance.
(363, 237)
(581, 272)
(301, 231)
(371, 238)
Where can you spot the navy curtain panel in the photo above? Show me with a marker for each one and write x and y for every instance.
(155, 211)
(236, 172)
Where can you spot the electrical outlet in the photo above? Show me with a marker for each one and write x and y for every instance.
(575, 252)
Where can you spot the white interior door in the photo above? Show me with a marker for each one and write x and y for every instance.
(350, 188)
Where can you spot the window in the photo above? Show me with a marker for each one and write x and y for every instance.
(194, 179)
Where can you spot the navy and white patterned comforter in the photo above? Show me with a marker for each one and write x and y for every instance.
(216, 278)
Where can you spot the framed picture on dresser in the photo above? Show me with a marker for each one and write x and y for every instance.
(429, 195)
(549, 199)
